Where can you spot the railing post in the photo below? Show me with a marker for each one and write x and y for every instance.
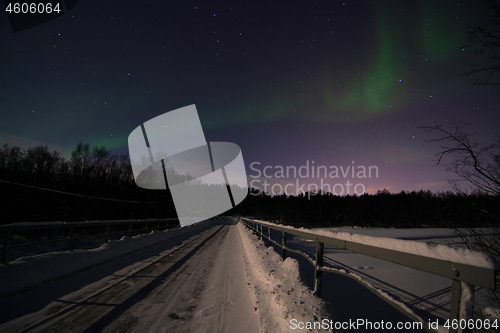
(69, 241)
(5, 246)
(283, 245)
(317, 273)
(130, 229)
(467, 301)
(461, 304)
(267, 243)
(147, 228)
(106, 237)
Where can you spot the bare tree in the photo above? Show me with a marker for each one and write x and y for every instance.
(480, 167)
(11, 159)
(81, 161)
(473, 163)
(41, 163)
(99, 157)
(485, 38)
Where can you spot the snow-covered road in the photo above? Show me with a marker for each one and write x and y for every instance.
(198, 286)
(206, 281)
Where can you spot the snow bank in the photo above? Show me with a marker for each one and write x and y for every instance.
(30, 272)
(278, 290)
(430, 250)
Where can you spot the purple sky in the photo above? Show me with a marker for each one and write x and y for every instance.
(324, 81)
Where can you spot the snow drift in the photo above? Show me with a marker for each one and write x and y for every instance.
(277, 289)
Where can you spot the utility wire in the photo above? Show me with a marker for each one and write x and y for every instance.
(77, 195)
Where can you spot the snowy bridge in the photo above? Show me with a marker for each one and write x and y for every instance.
(216, 276)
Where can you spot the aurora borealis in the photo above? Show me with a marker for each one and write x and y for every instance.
(289, 82)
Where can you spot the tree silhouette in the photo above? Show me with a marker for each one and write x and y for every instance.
(485, 38)
(43, 163)
(478, 165)
(473, 163)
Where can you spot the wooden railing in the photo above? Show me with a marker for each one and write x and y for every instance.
(69, 231)
(463, 275)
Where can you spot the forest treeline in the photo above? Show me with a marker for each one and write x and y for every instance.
(384, 209)
(92, 171)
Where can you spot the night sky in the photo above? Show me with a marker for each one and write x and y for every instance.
(290, 82)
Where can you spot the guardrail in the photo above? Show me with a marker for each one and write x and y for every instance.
(464, 276)
(67, 231)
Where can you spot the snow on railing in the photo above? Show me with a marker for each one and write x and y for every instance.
(464, 267)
